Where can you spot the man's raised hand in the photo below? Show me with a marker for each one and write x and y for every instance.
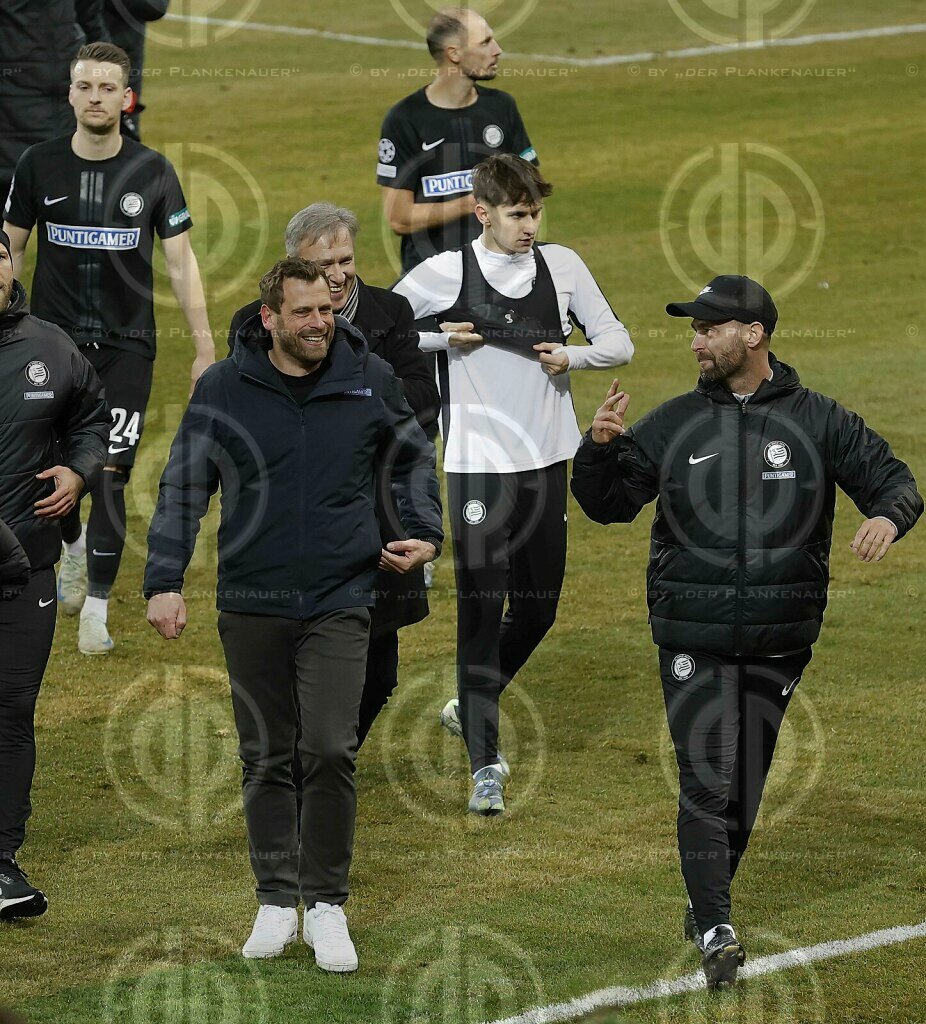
(609, 419)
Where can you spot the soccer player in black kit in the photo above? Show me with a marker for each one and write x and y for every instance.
(432, 140)
(98, 199)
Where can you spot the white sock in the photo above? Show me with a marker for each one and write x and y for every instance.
(711, 932)
(79, 547)
(97, 606)
(497, 767)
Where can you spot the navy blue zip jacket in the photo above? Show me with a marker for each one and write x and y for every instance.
(298, 535)
(745, 495)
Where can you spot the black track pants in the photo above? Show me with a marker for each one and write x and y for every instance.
(724, 716)
(509, 545)
(27, 628)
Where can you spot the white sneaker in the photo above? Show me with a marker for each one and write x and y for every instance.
(325, 930)
(72, 582)
(274, 929)
(450, 717)
(450, 720)
(93, 636)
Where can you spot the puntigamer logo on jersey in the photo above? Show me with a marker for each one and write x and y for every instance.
(93, 238)
(451, 184)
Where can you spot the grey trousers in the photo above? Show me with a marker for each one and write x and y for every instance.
(272, 662)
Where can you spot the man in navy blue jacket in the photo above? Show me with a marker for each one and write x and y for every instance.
(292, 430)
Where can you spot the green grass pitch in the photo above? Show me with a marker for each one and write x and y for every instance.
(137, 833)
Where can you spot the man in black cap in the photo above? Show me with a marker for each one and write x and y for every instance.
(744, 471)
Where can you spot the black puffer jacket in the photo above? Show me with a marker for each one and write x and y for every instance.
(739, 555)
(298, 535)
(48, 391)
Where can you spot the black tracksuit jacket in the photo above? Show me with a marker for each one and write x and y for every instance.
(745, 495)
(49, 393)
(298, 535)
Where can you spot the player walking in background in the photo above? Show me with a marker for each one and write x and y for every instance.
(432, 140)
(53, 428)
(98, 199)
(505, 308)
(744, 471)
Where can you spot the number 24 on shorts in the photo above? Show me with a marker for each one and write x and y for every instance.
(125, 428)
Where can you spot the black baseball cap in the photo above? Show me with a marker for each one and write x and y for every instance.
(730, 297)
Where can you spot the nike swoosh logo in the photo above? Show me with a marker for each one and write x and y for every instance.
(692, 461)
(427, 146)
(115, 451)
(45, 604)
(51, 202)
(790, 686)
(104, 554)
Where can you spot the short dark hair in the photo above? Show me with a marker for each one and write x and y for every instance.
(294, 268)
(105, 53)
(444, 26)
(507, 180)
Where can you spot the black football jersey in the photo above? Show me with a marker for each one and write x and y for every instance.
(432, 151)
(96, 221)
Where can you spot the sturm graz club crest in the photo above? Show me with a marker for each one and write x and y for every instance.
(474, 512)
(37, 373)
(683, 667)
(777, 454)
(493, 136)
(131, 204)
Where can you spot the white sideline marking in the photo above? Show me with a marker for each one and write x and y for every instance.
(580, 62)
(613, 998)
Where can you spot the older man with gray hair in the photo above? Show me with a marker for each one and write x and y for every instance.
(325, 234)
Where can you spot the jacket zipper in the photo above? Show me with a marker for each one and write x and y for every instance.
(300, 591)
(302, 503)
(741, 534)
